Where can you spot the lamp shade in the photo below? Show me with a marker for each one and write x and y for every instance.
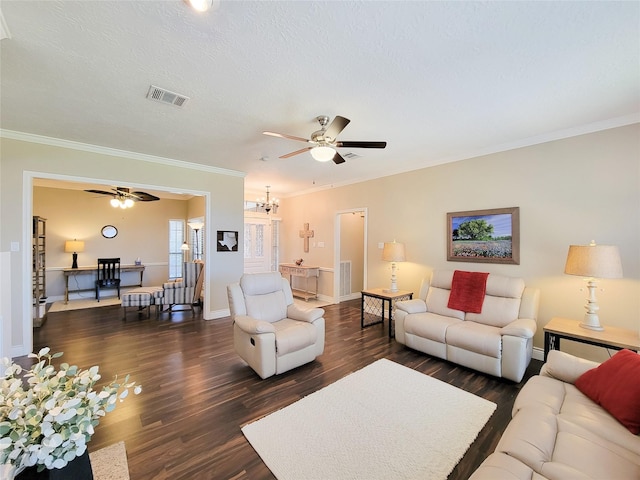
(323, 153)
(73, 246)
(597, 261)
(195, 225)
(393, 252)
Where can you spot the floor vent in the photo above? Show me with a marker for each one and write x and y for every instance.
(165, 96)
(345, 278)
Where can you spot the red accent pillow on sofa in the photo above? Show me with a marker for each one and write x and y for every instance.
(615, 386)
(467, 291)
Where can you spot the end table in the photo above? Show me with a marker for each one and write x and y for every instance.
(610, 337)
(373, 302)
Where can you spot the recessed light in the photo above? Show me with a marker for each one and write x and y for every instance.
(203, 5)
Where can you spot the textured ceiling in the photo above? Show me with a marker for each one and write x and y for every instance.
(439, 81)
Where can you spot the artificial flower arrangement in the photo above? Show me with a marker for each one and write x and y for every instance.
(48, 423)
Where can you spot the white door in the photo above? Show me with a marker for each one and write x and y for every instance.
(257, 244)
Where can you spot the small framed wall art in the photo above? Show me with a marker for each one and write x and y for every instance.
(109, 231)
(484, 236)
(227, 241)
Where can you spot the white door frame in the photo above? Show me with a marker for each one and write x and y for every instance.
(336, 250)
(28, 177)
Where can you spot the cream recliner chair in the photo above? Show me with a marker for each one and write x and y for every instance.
(270, 332)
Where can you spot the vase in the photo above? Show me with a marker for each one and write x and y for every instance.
(77, 469)
(9, 471)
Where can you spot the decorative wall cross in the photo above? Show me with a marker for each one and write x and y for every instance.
(306, 234)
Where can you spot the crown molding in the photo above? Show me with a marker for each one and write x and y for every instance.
(85, 147)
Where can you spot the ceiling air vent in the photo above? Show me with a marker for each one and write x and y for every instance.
(165, 96)
(350, 155)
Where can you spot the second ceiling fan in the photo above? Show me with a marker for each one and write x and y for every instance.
(324, 141)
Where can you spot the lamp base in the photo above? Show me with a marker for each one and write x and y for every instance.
(75, 261)
(394, 280)
(591, 322)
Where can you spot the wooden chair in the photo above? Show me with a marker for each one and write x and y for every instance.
(108, 275)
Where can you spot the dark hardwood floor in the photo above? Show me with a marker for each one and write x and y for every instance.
(197, 393)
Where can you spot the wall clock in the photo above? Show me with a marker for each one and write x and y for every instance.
(109, 231)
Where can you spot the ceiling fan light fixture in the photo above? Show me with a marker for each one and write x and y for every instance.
(322, 153)
(114, 202)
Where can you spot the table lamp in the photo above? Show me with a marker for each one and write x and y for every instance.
(74, 246)
(593, 261)
(393, 252)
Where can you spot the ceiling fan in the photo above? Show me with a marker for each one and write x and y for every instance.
(324, 141)
(124, 198)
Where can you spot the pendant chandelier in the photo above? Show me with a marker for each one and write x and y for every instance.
(268, 205)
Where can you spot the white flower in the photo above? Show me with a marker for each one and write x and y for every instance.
(50, 422)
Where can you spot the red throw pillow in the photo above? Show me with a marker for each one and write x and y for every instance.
(467, 291)
(615, 386)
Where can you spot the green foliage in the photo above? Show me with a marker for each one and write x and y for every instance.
(49, 422)
(475, 230)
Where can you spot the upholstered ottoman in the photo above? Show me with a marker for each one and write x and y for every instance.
(141, 297)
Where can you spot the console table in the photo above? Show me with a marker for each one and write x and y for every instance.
(306, 272)
(93, 270)
(373, 301)
(610, 337)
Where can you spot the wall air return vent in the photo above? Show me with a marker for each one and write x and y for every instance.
(165, 96)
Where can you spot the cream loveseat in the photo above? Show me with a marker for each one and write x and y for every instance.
(557, 432)
(497, 341)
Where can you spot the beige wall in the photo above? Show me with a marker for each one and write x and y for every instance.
(569, 192)
(22, 160)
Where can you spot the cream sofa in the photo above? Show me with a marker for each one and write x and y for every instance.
(497, 341)
(558, 433)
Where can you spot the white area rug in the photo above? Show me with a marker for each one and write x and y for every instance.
(83, 303)
(385, 421)
(110, 463)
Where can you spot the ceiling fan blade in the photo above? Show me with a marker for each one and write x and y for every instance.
(100, 192)
(284, 135)
(337, 159)
(302, 150)
(350, 144)
(144, 196)
(338, 124)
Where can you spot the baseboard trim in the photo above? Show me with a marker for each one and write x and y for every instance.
(538, 354)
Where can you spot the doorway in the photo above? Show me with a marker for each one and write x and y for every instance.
(65, 182)
(350, 262)
(261, 235)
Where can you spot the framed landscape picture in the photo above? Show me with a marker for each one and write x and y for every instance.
(484, 236)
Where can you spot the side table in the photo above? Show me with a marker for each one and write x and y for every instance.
(373, 302)
(303, 271)
(610, 337)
